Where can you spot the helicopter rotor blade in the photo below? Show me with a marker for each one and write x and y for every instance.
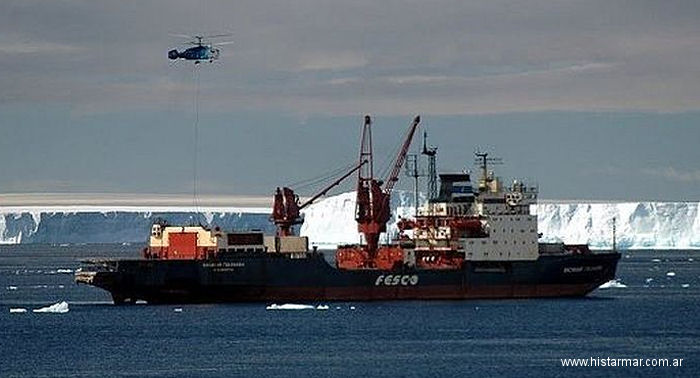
(182, 35)
(218, 35)
(223, 43)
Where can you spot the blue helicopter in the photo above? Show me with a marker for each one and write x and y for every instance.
(202, 50)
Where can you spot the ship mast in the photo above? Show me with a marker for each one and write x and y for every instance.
(431, 153)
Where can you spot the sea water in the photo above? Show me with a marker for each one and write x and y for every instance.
(647, 314)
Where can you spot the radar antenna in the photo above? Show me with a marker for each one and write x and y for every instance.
(483, 160)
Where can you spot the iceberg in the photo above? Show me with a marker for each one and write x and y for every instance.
(640, 225)
(613, 284)
(18, 310)
(330, 222)
(57, 308)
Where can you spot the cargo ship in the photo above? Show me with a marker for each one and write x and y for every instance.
(465, 242)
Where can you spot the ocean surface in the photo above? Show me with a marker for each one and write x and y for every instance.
(657, 315)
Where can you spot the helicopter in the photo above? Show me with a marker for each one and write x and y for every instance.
(202, 50)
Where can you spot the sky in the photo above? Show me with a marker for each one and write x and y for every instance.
(591, 100)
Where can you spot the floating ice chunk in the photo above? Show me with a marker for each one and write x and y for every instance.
(322, 307)
(140, 302)
(337, 307)
(290, 306)
(352, 307)
(648, 280)
(690, 259)
(12, 288)
(64, 271)
(177, 309)
(655, 260)
(613, 284)
(18, 310)
(56, 308)
(685, 286)
(671, 274)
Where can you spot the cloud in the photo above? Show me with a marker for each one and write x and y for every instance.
(316, 57)
(673, 174)
(8, 46)
(334, 61)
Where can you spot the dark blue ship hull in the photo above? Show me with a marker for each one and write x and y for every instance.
(265, 277)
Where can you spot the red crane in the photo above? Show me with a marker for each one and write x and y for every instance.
(286, 207)
(372, 210)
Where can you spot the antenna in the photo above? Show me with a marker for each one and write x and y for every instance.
(614, 234)
(483, 160)
(413, 170)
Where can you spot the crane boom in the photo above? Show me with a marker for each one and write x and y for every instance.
(401, 158)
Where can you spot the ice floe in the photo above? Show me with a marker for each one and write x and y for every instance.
(56, 308)
(177, 309)
(613, 284)
(322, 307)
(671, 274)
(64, 271)
(685, 286)
(290, 306)
(655, 260)
(18, 310)
(11, 288)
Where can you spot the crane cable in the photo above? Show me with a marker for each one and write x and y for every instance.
(390, 159)
(307, 183)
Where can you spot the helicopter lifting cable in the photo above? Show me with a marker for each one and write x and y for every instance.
(195, 130)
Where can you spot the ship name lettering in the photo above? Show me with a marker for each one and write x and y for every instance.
(396, 280)
(225, 264)
(579, 269)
